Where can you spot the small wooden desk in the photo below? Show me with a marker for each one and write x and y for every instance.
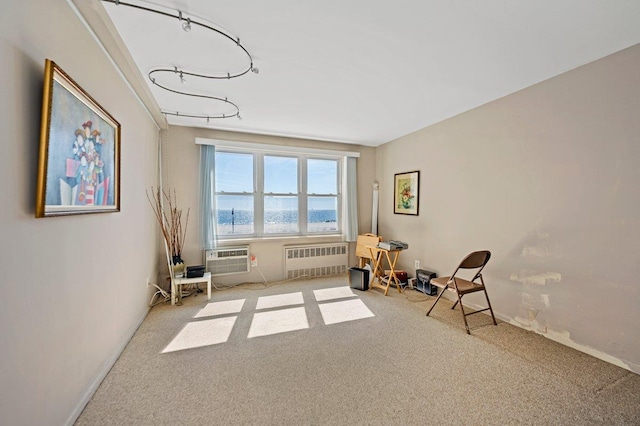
(380, 280)
(177, 282)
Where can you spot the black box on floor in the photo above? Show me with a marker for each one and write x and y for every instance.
(423, 282)
(195, 271)
(359, 278)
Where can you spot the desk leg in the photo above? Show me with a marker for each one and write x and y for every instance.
(209, 288)
(393, 271)
(376, 270)
(391, 274)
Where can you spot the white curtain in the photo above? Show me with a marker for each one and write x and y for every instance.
(208, 196)
(350, 205)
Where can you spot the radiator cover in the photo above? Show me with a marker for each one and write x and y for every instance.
(315, 260)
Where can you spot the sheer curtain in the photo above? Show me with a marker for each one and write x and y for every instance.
(350, 204)
(208, 235)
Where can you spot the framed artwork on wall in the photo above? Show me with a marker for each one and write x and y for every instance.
(79, 157)
(406, 193)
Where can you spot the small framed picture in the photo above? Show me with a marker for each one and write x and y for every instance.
(406, 193)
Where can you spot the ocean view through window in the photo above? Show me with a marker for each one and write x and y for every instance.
(263, 194)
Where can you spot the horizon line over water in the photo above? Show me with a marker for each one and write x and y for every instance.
(245, 217)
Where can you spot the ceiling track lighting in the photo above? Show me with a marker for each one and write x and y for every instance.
(208, 117)
(187, 23)
(197, 95)
(181, 73)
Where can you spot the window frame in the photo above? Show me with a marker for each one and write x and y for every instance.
(259, 194)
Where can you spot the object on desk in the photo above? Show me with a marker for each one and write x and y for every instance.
(195, 271)
(359, 278)
(393, 245)
(423, 282)
(399, 244)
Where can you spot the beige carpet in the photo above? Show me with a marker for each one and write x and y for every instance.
(348, 357)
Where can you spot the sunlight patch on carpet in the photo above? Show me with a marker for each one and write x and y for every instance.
(348, 310)
(333, 293)
(281, 321)
(221, 308)
(202, 333)
(278, 300)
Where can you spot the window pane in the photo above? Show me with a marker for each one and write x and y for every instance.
(322, 176)
(280, 175)
(280, 215)
(234, 172)
(322, 214)
(234, 214)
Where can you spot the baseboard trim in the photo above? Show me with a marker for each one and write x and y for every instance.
(104, 370)
(562, 338)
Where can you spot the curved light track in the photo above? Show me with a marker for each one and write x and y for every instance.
(186, 25)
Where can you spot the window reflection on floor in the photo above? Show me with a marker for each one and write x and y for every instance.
(214, 323)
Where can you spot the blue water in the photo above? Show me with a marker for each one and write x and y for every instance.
(243, 217)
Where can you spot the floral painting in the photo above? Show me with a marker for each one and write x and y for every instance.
(79, 151)
(406, 191)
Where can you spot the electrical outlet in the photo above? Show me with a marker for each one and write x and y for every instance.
(254, 262)
(417, 264)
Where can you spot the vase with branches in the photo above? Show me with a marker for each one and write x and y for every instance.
(170, 217)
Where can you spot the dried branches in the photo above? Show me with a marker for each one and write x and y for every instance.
(169, 218)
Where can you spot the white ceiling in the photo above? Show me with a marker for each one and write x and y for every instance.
(366, 71)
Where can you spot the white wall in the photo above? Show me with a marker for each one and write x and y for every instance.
(181, 159)
(73, 289)
(548, 180)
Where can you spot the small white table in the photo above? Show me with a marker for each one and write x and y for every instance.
(177, 282)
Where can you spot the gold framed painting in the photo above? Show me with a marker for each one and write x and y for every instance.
(406, 193)
(79, 158)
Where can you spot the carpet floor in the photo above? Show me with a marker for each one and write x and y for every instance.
(316, 352)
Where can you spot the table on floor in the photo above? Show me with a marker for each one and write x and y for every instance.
(380, 279)
(177, 282)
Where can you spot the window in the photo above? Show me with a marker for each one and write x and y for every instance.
(266, 194)
(322, 195)
(235, 188)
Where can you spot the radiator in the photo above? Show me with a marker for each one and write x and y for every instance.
(227, 260)
(315, 260)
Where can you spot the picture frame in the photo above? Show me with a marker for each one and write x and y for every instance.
(79, 155)
(406, 193)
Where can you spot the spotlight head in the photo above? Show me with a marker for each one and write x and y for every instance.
(182, 80)
(255, 70)
(186, 25)
(239, 118)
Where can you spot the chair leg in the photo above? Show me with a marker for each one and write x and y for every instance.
(464, 316)
(490, 309)
(454, 305)
(436, 301)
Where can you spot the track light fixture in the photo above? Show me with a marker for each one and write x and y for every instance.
(180, 74)
(186, 24)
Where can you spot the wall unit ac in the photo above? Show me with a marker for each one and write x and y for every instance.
(315, 260)
(227, 260)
